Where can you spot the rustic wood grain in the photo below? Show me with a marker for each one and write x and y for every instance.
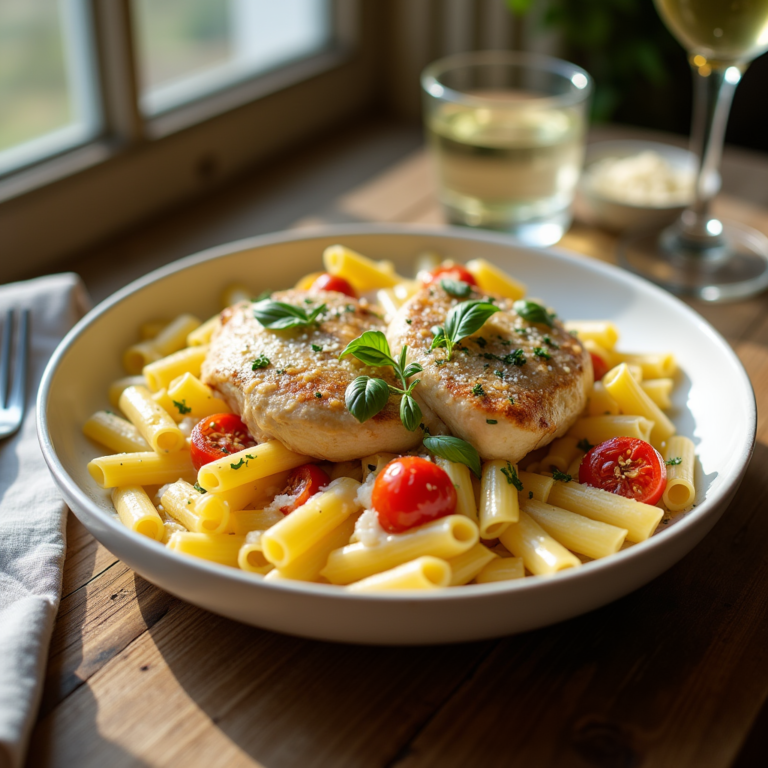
(671, 675)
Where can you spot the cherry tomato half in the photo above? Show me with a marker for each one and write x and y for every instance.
(327, 282)
(411, 491)
(599, 366)
(627, 467)
(303, 483)
(453, 271)
(217, 436)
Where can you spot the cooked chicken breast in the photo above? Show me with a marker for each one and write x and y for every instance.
(298, 396)
(510, 388)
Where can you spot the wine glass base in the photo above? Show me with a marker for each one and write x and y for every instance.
(737, 269)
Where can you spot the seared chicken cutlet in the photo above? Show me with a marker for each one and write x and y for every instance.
(289, 384)
(510, 388)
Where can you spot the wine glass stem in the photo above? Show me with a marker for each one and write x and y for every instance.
(713, 93)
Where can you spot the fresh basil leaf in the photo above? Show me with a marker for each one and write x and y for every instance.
(454, 449)
(411, 370)
(456, 288)
(277, 315)
(370, 348)
(467, 318)
(410, 413)
(365, 397)
(533, 312)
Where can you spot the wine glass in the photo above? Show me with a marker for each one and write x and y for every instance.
(700, 255)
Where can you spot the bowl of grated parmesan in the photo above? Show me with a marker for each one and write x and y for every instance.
(632, 185)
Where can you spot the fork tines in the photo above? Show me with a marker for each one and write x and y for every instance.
(12, 400)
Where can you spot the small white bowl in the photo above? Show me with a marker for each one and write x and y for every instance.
(76, 381)
(618, 216)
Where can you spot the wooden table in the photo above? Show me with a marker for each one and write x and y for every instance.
(675, 674)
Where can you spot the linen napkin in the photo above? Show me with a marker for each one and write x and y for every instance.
(32, 520)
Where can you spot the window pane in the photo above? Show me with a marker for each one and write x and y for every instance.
(189, 48)
(46, 79)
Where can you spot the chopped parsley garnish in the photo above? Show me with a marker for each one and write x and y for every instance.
(511, 474)
(408, 320)
(499, 373)
(541, 352)
(318, 395)
(530, 494)
(558, 475)
(481, 342)
(491, 421)
(674, 462)
(239, 464)
(478, 390)
(515, 358)
(440, 362)
(199, 488)
(549, 342)
(262, 361)
(349, 308)
(182, 407)
(584, 445)
(317, 348)
(512, 400)
(280, 370)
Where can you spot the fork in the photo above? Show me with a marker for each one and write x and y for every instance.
(12, 404)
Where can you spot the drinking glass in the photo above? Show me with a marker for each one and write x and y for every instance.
(701, 255)
(506, 134)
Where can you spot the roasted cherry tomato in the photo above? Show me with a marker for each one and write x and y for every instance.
(303, 483)
(328, 282)
(627, 467)
(217, 436)
(453, 271)
(599, 366)
(411, 491)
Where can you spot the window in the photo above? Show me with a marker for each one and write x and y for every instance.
(191, 48)
(115, 109)
(47, 88)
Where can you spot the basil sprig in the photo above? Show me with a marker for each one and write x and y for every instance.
(533, 312)
(463, 320)
(454, 449)
(278, 316)
(367, 396)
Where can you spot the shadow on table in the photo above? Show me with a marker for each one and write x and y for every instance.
(650, 680)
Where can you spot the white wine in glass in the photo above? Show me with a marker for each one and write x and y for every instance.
(700, 255)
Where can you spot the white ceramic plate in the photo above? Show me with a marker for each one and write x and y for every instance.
(713, 404)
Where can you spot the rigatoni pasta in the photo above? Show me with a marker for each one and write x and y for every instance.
(242, 509)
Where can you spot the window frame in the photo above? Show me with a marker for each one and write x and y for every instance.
(137, 166)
